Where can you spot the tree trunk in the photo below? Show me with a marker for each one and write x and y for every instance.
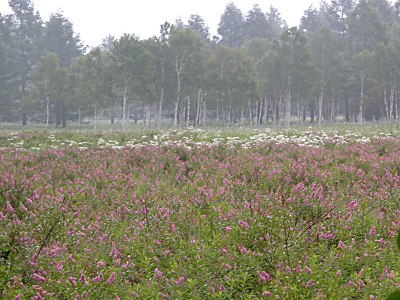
(391, 104)
(160, 106)
(199, 107)
(385, 100)
(80, 117)
(361, 109)
(178, 70)
(333, 112)
(250, 114)
(320, 103)
(95, 116)
(124, 104)
(63, 115)
(187, 111)
(47, 105)
(312, 111)
(47, 112)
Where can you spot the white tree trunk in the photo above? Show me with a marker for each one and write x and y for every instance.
(391, 104)
(188, 111)
(178, 70)
(47, 111)
(320, 104)
(250, 114)
(160, 107)
(124, 104)
(47, 105)
(361, 110)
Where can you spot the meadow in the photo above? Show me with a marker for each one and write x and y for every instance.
(196, 214)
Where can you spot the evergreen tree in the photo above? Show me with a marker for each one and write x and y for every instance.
(198, 25)
(231, 26)
(27, 31)
(59, 37)
(256, 24)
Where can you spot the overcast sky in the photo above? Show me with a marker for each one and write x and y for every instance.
(96, 19)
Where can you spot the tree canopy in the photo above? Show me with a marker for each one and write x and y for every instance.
(339, 65)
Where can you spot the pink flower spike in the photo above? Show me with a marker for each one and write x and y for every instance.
(112, 278)
(96, 279)
(72, 280)
(261, 278)
(267, 294)
(308, 270)
(371, 297)
(158, 273)
(180, 281)
(338, 273)
(83, 279)
(244, 224)
(266, 275)
(341, 245)
(39, 278)
(9, 207)
(372, 232)
(18, 297)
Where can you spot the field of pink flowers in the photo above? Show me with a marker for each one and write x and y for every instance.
(279, 220)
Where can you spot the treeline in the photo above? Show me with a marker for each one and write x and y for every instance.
(342, 64)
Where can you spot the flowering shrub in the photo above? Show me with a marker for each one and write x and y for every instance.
(200, 220)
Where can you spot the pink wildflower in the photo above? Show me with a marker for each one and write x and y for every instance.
(228, 267)
(350, 283)
(227, 182)
(372, 232)
(360, 273)
(96, 279)
(101, 264)
(308, 270)
(83, 279)
(158, 273)
(261, 277)
(341, 245)
(172, 227)
(9, 208)
(72, 280)
(38, 277)
(180, 281)
(244, 224)
(18, 297)
(112, 278)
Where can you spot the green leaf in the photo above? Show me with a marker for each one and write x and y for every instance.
(394, 296)
(398, 241)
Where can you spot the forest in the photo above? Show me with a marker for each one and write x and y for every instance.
(341, 64)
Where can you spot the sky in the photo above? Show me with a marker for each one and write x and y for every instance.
(93, 20)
